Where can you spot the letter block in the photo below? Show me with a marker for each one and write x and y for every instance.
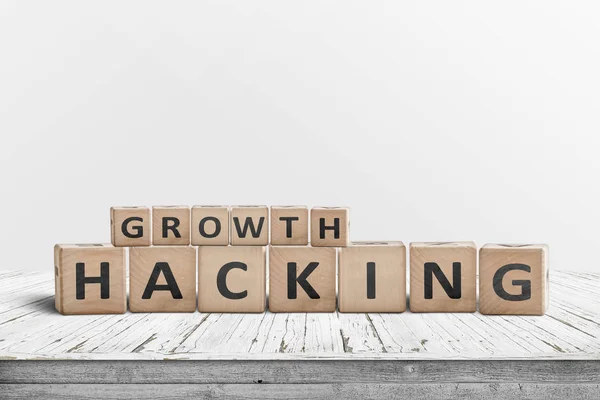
(372, 277)
(240, 275)
(162, 279)
(250, 226)
(289, 225)
(210, 225)
(171, 225)
(443, 277)
(513, 279)
(329, 227)
(301, 279)
(89, 279)
(130, 226)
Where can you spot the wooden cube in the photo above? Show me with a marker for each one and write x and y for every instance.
(513, 279)
(162, 279)
(171, 225)
(301, 279)
(89, 279)
(232, 279)
(289, 225)
(330, 227)
(250, 225)
(443, 277)
(130, 226)
(210, 225)
(372, 277)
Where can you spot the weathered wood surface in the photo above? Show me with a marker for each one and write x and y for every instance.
(31, 329)
(506, 391)
(298, 371)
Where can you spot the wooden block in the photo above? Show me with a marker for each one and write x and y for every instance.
(289, 225)
(210, 225)
(330, 226)
(250, 225)
(89, 279)
(130, 226)
(301, 279)
(443, 277)
(372, 277)
(162, 279)
(232, 279)
(170, 225)
(513, 279)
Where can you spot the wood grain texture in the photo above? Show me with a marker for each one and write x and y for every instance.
(298, 371)
(319, 295)
(529, 282)
(446, 256)
(31, 329)
(382, 262)
(157, 267)
(249, 225)
(102, 266)
(210, 226)
(170, 225)
(245, 282)
(130, 226)
(505, 391)
(330, 226)
(289, 225)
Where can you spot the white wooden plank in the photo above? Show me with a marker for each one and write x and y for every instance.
(290, 334)
(26, 297)
(195, 337)
(461, 337)
(359, 335)
(233, 333)
(322, 334)
(294, 356)
(131, 333)
(395, 333)
(263, 334)
(16, 279)
(31, 328)
(494, 342)
(75, 338)
(38, 329)
(165, 338)
(274, 342)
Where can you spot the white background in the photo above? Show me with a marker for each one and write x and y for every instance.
(432, 120)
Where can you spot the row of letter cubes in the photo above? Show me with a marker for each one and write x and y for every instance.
(220, 226)
(513, 279)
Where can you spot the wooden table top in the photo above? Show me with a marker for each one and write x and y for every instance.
(31, 329)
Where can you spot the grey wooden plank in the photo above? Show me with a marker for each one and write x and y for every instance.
(505, 391)
(297, 372)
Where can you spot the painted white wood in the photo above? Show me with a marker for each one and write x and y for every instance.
(30, 328)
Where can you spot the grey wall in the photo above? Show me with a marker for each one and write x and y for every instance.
(432, 120)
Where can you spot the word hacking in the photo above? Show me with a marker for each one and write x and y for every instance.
(214, 259)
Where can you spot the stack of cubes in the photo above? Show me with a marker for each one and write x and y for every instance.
(214, 259)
